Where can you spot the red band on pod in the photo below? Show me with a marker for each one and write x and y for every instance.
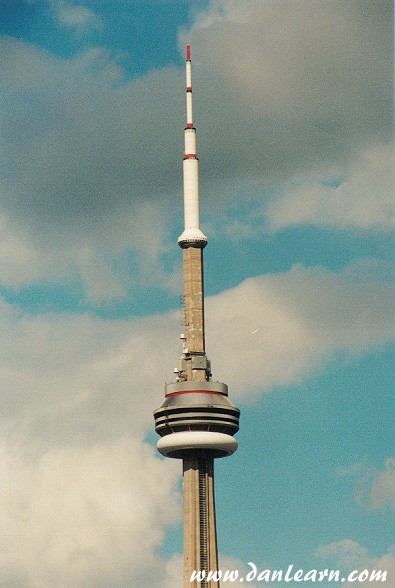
(195, 392)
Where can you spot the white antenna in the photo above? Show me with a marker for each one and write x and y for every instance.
(192, 233)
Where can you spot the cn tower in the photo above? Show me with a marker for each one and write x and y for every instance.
(196, 421)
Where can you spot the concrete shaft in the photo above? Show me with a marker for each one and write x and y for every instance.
(194, 305)
(200, 533)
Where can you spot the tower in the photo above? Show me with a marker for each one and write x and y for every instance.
(196, 421)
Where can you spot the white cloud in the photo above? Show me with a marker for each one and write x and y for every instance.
(364, 200)
(305, 89)
(349, 555)
(283, 90)
(94, 259)
(75, 15)
(383, 486)
(174, 571)
(79, 378)
(301, 84)
(274, 330)
(91, 517)
(374, 487)
(231, 564)
(74, 388)
(19, 256)
(84, 184)
(85, 157)
(269, 331)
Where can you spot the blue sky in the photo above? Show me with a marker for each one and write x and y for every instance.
(293, 108)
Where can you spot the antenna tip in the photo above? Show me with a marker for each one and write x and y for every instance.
(188, 52)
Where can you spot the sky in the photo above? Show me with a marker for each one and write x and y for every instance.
(293, 109)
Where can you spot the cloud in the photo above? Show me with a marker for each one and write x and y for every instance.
(86, 149)
(20, 259)
(77, 395)
(85, 517)
(374, 487)
(75, 16)
(89, 375)
(76, 378)
(174, 571)
(363, 201)
(383, 486)
(349, 555)
(283, 91)
(231, 564)
(304, 88)
(286, 325)
(301, 85)
(84, 185)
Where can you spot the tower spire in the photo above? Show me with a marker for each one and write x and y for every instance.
(196, 421)
(192, 234)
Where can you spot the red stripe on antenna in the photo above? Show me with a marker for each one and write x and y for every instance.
(188, 52)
